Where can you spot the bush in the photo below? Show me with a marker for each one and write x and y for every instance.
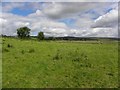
(22, 51)
(31, 51)
(3, 39)
(9, 46)
(5, 50)
(76, 58)
(57, 56)
(40, 36)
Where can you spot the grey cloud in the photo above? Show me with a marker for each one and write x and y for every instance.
(60, 1)
(69, 9)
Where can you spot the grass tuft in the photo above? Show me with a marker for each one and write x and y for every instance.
(9, 46)
(22, 51)
(5, 50)
(31, 51)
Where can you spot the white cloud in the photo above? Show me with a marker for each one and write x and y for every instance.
(46, 20)
(21, 24)
(3, 21)
(110, 19)
(107, 25)
(34, 21)
(105, 32)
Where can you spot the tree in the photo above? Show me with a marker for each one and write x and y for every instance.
(23, 32)
(40, 36)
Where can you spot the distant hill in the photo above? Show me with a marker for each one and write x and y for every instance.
(81, 38)
(72, 38)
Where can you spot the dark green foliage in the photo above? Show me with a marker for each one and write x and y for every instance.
(9, 46)
(76, 59)
(57, 56)
(22, 51)
(31, 51)
(110, 74)
(3, 40)
(23, 32)
(5, 50)
(40, 36)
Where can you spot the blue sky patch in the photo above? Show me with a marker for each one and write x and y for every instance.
(22, 12)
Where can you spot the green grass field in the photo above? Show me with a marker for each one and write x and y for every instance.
(59, 64)
(0, 73)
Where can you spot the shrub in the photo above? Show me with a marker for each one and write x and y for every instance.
(31, 51)
(9, 46)
(110, 74)
(3, 39)
(22, 51)
(57, 56)
(76, 59)
(5, 50)
(40, 36)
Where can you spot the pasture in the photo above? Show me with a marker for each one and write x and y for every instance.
(59, 64)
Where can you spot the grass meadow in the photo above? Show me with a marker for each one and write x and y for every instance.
(0, 72)
(59, 64)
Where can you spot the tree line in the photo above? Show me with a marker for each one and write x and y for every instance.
(24, 32)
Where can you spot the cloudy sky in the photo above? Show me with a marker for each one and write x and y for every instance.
(80, 19)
